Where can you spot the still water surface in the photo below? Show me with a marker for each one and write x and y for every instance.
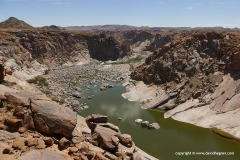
(172, 137)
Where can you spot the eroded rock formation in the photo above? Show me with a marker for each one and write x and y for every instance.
(199, 79)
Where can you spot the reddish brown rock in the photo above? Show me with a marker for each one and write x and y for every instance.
(28, 122)
(12, 122)
(104, 138)
(19, 143)
(22, 130)
(48, 141)
(19, 112)
(51, 118)
(32, 142)
(41, 144)
(2, 127)
(72, 149)
(83, 147)
(64, 143)
(125, 139)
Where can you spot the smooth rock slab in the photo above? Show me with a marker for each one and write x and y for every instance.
(23, 98)
(52, 118)
(45, 154)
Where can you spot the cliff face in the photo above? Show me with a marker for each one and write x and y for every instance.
(142, 40)
(185, 57)
(57, 47)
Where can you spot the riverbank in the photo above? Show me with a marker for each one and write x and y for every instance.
(192, 111)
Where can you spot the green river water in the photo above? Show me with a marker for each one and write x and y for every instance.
(172, 138)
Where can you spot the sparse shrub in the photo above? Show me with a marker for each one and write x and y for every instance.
(191, 85)
(58, 100)
(46, 71)
(38, 80)
(47, 92)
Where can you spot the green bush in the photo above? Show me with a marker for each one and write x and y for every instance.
(46, 71)
(40, 81)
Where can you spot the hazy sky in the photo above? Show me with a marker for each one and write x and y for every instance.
(162, 13)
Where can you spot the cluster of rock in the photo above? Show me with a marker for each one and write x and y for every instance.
(147, 124)
(29, 121)
(69, 84)
(34, 127)
(109, 137)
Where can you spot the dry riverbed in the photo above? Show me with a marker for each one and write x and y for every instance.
(66, 84)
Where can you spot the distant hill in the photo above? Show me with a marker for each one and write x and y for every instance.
(127, 28)
(13, 22)
(52, 27)
(105, 28)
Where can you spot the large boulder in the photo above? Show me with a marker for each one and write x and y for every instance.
(94, 119)
(52, 118)
(106, 138)
(97, 118)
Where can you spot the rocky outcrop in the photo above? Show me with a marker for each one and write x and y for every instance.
(199, 75)
(40, 113)
(190, 65)
(34, 127)
(108, 138)
(30, 50)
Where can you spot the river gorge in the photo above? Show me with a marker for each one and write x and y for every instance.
(172, 137)
(78, 94)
